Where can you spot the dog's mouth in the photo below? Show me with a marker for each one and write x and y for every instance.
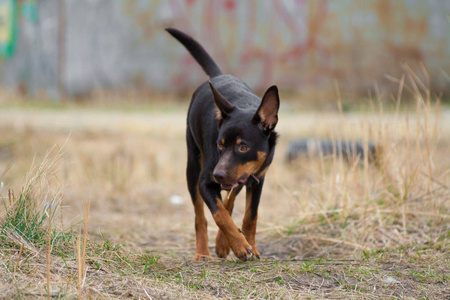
(229, 187)
(242, 181)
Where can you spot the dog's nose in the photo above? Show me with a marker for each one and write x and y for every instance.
(219, 175)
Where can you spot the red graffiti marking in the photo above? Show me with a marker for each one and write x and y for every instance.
(301, 25)
(230, 5)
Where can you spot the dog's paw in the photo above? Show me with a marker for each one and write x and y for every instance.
(222, 247)
(203, 257)
(255, 252)
(242, 249)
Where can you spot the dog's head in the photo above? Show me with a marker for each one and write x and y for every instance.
(246, 139)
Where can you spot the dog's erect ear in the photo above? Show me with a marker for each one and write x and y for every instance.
(223, 107)
(267, 113)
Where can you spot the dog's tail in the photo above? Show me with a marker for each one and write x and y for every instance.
(201, 56)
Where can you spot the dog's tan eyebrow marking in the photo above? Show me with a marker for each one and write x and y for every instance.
(238, 141)
(222, 141)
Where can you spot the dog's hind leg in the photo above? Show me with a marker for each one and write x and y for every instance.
(194, 165)
(201, 231)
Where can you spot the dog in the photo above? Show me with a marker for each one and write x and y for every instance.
(231, 142)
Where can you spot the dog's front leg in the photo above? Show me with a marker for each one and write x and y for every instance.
(222, 247)
(236, 239)
(210, 192)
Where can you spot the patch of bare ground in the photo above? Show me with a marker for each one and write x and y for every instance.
(118, 272)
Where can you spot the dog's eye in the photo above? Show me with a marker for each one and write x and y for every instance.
(220, 146)
(243, 148)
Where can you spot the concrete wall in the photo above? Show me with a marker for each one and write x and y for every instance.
(300, 45)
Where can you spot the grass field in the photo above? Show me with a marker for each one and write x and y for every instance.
(95, 205)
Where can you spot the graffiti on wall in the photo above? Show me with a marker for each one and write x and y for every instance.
(297, 44)
(8, 27)
(302, 44)
(252, 39)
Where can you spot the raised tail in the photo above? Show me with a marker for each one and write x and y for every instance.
(201, 56)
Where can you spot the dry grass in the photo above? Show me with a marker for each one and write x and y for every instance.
(328, 228)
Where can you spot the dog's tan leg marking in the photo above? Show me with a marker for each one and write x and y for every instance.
(201, 230)
(249, 225)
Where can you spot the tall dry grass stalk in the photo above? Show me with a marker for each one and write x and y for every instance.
(81, 250)
(49, 252)
(17, 262)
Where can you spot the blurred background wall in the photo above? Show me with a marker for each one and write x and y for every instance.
(74, 47)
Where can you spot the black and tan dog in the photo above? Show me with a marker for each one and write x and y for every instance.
(231, 142)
